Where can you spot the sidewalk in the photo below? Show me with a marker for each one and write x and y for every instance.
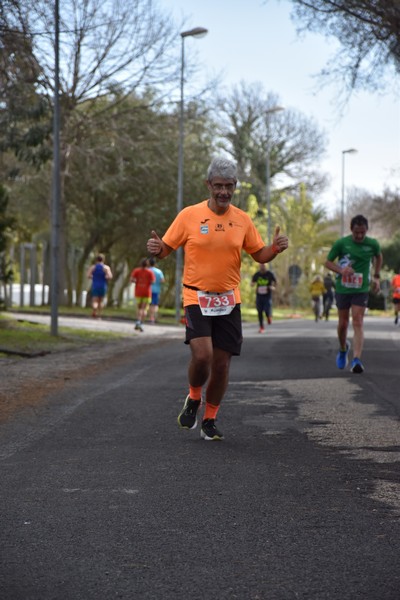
(106, 324)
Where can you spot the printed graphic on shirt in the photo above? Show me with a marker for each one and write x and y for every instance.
(264, 281)
(345, 261)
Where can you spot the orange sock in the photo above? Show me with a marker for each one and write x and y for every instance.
(195, 393)
(210, 411)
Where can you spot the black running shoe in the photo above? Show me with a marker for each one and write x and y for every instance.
(209, 431)
(187, 418)
(357, 366)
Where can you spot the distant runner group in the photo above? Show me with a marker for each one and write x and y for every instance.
(213, 234)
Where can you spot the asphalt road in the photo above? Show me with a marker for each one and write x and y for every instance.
(103, 497)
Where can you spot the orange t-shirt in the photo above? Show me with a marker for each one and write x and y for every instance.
(212, 245)
(396, 286)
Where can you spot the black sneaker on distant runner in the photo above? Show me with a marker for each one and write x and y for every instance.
(187, 418)
(209, 431)
(357, 366)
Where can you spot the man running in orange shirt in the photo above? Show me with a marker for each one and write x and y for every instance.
(213, 234)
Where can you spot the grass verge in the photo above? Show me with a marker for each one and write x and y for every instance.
(31, 338)
(25, 338)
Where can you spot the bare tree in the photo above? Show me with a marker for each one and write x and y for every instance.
(387, 210)
(382, 210)
(294, 143)
(369, 37)
(101, 43)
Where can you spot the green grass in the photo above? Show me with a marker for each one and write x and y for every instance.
(32, 338)
(167, 315)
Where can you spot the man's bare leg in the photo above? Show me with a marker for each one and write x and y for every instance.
(343, 325)
(357, 318)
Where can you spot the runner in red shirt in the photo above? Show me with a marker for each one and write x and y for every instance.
(142, 277)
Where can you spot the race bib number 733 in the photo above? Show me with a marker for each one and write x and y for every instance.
(213, 304)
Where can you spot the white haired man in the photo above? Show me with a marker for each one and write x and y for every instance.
(213, 234)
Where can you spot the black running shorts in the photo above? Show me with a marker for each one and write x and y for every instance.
(224, 330)
(345, 301)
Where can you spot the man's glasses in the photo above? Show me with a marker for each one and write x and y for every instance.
(218, 187)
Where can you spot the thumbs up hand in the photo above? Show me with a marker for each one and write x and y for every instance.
(154, 244)
(280, 242)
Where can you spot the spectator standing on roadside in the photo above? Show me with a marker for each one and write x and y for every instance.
(396, 296)
(155, 290)
(143, 278)
(265, 281)
(100, 274)
(213, 234)
(317, 290)
(350, 258)
(328, 297)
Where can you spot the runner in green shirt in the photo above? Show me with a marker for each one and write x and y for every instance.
(350, 258)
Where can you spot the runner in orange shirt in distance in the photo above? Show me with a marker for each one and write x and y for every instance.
(396, 297)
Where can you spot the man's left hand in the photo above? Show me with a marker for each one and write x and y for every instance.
(280, 241)
(376, 285)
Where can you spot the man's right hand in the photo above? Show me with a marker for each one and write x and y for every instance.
(154, 244)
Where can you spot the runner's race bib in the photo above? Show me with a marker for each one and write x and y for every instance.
(354, 280)
(262, 289)
(214, 304)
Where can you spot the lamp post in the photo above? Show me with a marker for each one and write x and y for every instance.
(269, 112)
(344, 152)
(55, 213)
(196, 32)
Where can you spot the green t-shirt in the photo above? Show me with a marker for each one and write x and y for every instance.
(359, 256)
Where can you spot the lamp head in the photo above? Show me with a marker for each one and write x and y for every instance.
(350, 151)
(195, 32)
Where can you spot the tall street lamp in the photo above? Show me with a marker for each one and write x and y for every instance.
(55, 210)
(196, 32)
(269, 112)
(344, 152)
